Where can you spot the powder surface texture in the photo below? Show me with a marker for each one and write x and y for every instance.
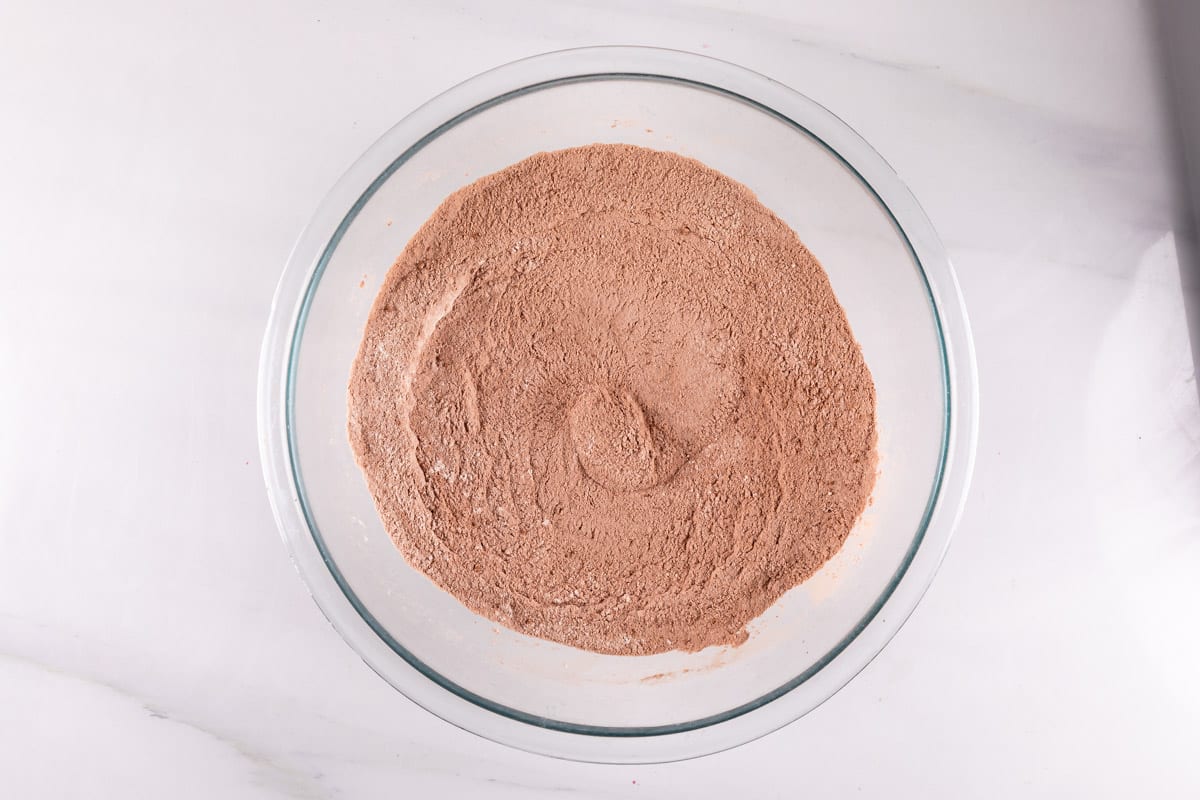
(605, 397)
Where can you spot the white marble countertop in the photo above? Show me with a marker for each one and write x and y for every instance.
(158, 160)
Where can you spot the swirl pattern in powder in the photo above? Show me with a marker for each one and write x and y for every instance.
(606, 397)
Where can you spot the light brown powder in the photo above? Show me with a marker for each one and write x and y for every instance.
(605, 397)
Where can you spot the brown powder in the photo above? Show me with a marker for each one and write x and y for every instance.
(607, 398)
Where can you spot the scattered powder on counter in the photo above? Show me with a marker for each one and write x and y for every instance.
(605, 397)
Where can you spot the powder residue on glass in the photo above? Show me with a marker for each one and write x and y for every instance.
(605, 397)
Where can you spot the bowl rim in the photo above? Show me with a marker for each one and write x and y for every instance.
(464, 708)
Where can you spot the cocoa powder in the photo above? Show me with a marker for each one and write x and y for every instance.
(605, 397)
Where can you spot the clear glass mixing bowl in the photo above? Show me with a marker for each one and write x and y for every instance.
(890, 273)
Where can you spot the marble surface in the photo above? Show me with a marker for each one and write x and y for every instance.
(160, 158)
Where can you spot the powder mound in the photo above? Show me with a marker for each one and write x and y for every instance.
(614, 443)
(605, 397)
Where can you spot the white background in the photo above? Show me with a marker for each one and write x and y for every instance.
(158, 159)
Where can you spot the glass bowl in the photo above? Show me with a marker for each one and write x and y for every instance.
(887, 268)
